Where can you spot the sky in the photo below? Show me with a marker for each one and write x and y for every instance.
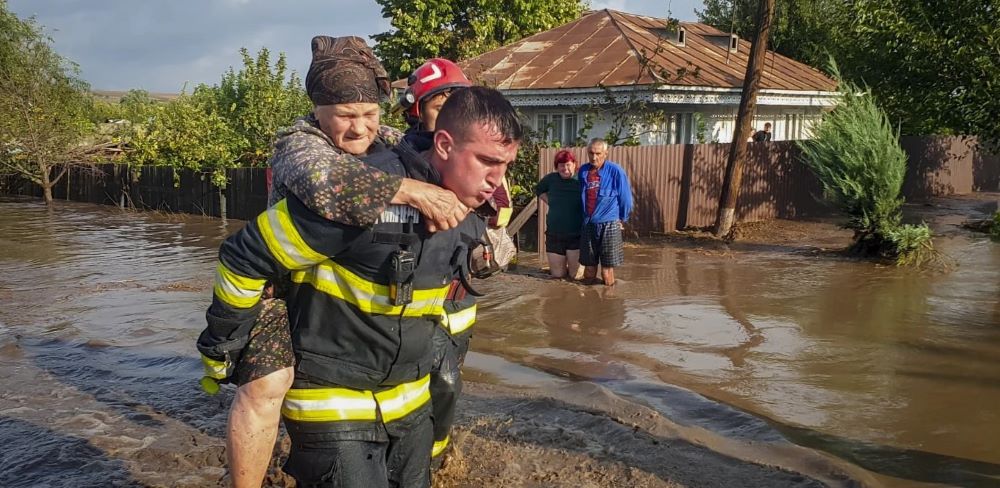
(159, 45)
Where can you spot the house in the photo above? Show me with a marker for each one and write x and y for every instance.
(661, 83)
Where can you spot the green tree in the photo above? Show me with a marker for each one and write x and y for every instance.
(222, 126)
(134, 106)
(184, 133)
(805, 30)
(934, 68)
(256, 101)
(43, 106)
(856, 156)
(460, 29)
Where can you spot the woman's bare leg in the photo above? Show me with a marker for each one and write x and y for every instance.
(253, 427)
(557, 264)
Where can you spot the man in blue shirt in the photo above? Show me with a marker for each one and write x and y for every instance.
(607, 203)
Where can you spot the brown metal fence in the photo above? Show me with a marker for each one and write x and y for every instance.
(677, 186)
(674, 186)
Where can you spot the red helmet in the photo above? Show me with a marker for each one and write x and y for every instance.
(433, 77)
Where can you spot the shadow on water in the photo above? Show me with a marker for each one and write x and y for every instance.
(35, 456)
(144, 389)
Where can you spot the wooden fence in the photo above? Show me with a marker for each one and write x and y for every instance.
(157, 188)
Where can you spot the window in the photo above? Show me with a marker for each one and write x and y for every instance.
(683, 128)
(734, 43)
(793, 126)
(675, 129)
(681, 34)
(560, 127)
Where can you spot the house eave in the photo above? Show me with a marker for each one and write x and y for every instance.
(665, 94)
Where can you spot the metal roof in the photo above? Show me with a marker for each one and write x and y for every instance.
(605, 48)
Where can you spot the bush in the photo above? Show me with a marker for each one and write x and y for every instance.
(523, 174)
(995, 227)
(256, 102)
(217, 127)
(856, 156)
(912, 244)
(185, 134)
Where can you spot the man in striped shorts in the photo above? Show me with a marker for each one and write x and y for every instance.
(607, 203)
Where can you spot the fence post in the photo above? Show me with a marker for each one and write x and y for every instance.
(222, 203)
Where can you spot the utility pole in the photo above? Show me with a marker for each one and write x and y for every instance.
(748, 102)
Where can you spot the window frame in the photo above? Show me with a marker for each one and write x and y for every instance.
(548, 129)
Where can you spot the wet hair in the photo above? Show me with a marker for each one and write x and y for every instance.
(476, 105)
(563, 156)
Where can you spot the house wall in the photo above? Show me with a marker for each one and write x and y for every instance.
(787, 123)
(719, 122)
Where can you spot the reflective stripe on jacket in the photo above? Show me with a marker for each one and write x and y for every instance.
(340, 404)
(458, 321)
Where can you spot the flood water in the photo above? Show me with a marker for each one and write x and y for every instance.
(896, 371)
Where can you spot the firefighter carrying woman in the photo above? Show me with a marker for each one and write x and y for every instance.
(372, 256)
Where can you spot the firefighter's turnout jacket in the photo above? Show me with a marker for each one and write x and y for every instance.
(361, 360)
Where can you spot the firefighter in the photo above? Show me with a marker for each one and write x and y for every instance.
(365, 304)
(316, 161)
(429, 86)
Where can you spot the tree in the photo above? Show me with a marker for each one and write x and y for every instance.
(856, 156)
(256, 101)
(43, 106)
(804, 30)
(726, 215)
(460, 29)
(934, 69)
(228, 125)
(185, 134)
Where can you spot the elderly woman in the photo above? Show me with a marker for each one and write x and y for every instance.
(316, 160)
(561, 191)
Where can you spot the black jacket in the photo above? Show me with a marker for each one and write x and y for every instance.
(345, 330)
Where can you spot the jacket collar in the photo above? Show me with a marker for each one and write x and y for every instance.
(417, 166)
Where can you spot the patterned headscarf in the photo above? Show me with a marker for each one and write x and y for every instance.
(344, 70)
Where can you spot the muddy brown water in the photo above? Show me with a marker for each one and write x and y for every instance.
(896, 371)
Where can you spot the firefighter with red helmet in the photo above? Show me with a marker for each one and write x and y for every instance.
(428, 87)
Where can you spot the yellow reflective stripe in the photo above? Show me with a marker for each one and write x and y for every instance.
(213, 369)
(328, 405)
(460, 320)
(403, 399)
(503, 216)
(338, 281)
(233, 289)
(336, 404)
(439, 446)
(283, 240)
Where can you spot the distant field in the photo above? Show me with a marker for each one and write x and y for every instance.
(116, 95)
